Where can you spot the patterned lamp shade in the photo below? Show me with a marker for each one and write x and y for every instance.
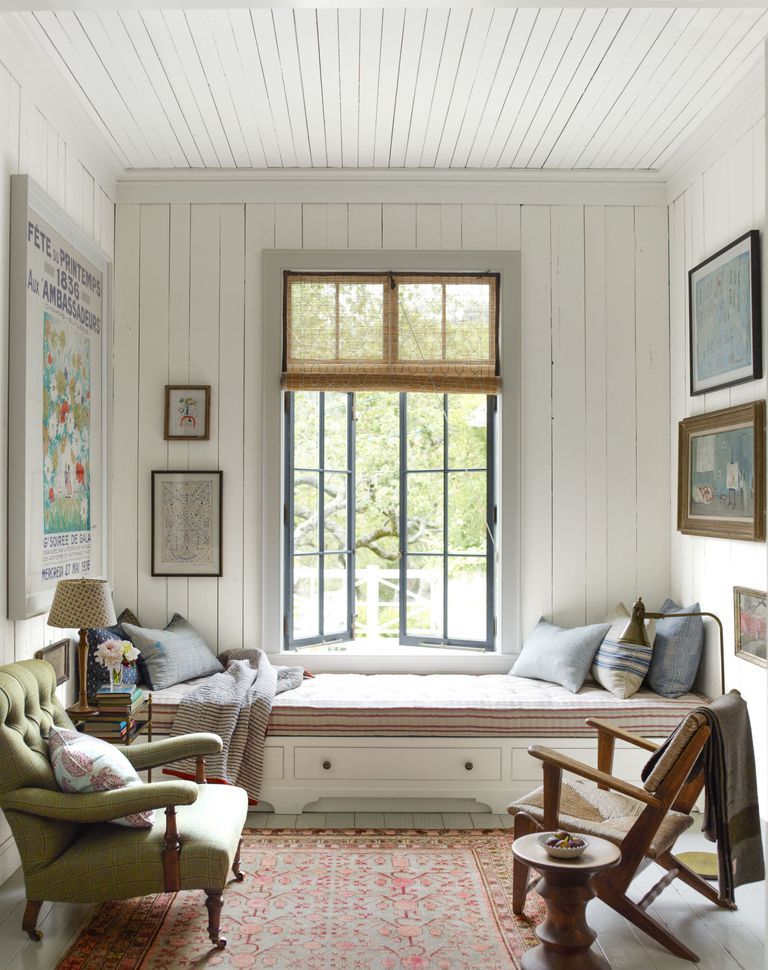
(81, 604)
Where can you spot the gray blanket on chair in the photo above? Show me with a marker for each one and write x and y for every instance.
(236, 705)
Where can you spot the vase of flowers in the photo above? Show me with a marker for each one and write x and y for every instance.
(116, 656)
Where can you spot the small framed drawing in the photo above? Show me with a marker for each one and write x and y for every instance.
(186, 523)
(187, 412)
(725, 316)
(721, 473)
(749, 628)
(57, 655)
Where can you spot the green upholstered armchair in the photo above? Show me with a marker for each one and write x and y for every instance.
(68, 850)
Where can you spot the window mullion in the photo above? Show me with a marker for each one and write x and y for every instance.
(445, 503)
(403, 561)
(321, 518)
(351, 509)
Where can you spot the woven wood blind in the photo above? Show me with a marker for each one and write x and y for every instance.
(391, 332)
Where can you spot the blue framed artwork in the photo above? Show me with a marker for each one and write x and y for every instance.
(725, 316)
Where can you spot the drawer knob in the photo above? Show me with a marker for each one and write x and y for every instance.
(468, 765)
(326, 765)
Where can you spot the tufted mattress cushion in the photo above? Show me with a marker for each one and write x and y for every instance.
(448, 705)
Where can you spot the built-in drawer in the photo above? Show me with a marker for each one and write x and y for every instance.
(273, 763)
(398, 764)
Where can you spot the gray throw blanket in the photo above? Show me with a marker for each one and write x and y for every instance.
(236, 705)
(731, 814)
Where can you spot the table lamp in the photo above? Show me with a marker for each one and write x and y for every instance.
(79, 604)
(702, 863)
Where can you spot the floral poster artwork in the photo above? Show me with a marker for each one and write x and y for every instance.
(66, 428)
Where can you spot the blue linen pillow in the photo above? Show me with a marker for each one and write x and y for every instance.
(560, 656)
(172, 655)
(676, 651)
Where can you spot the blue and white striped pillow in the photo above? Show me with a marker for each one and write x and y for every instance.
(621, 667)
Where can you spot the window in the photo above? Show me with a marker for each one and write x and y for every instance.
(389, 519)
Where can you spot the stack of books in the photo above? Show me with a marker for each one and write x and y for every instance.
(116, 709)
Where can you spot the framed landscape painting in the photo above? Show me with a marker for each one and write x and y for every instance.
(725, 316)
(186, 523)
(721, 473)
(749, 623)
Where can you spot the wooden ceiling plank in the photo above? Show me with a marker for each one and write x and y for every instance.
(732, 68)
(182, 39)
(330, 79)
(487, 71)
(263, 31)
(78, 60)
(109, 38)
(285, 39)
(477, 132)
(392, 33)
(569, 42)
(370, 56)
(435, 29)
(604, 84)
(535, 49)
(578, 85)
(238, 82)
(157, 78)
(565, 85)
(459, 26)
(219, 85)
(349, 83)
(162, 43)
(410, 59)
(473, 53)
(307, 45)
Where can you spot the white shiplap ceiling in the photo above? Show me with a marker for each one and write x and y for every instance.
(438, 88)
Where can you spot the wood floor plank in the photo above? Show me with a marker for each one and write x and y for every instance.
(398, 820)
(310, 820)
(457, 820)
(482, 821)
(427, 820)
(369, 820)
(340, 820)
(281, 822)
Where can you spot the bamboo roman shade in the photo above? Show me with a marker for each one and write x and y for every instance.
(391, 332)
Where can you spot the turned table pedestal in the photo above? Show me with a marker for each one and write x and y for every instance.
(566, 937)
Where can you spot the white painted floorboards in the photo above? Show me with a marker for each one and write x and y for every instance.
(724, 940)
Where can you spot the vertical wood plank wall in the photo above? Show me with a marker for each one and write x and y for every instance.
(722, 203)
(31, 145)
(595, 432)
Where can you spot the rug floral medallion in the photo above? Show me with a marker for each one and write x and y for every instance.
(333, 900)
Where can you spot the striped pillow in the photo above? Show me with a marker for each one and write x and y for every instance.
(621, 667)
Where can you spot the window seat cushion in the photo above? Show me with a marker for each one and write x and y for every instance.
(448, 705)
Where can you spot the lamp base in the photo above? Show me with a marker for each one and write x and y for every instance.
(704, 864)
(82, 709)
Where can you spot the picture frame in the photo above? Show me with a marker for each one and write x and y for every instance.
(187, 412)
(186, 523)
(750, 609)
(725, 317)
(721, 473)
(59, 389)
(57, 655)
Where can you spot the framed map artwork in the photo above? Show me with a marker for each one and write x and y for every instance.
(186, 523)
(58, 384)
(725, 316)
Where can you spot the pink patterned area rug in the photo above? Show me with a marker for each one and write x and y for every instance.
(333, 900)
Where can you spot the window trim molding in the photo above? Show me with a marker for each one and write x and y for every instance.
(508, 490)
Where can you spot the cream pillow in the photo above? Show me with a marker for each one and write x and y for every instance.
(621, 667)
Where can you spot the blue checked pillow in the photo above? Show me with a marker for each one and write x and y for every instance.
(172, 655)
(97, 676)
(677, 650)
(621, 667)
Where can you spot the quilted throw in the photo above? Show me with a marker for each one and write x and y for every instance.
(236, 705)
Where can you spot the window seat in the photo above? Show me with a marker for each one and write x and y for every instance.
(434, 736)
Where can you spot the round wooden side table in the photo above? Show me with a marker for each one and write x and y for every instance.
(566, 937)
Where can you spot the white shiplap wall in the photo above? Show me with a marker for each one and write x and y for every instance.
(595, 391)
(30, 144)
(722, 203)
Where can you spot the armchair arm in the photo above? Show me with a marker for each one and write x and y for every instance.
(102, 806)
(561, 762)
(614, 731)
(156, 753)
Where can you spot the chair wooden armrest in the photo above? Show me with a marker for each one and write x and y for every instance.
(607, 727)
(562, 762)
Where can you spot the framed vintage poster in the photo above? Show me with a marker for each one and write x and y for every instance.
(721, 473)
(57, 655)
(57, 456)
(749, 626)
(187, 412)
(186, 523)
(725, 336)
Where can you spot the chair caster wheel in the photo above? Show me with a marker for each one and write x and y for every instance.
(221, 943)
(239, 876)
(35, 935)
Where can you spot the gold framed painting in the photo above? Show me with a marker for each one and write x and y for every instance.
(721, 473)
(749, 624)
(57, 655)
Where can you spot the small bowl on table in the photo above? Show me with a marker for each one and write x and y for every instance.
(562, 852)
